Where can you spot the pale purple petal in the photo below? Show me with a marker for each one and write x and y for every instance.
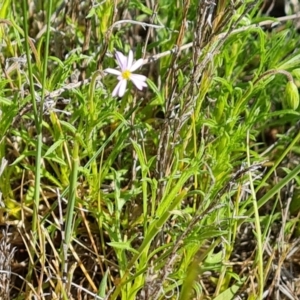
(113, 71)
(136, 80)
(139, 84)
(123, 85)
(137, 64)
(122, 60)
(116, 89)
(138, 77)
(130, 60)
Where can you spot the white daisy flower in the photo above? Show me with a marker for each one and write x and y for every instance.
(127, 65)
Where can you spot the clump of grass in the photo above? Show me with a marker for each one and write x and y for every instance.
(184, 190)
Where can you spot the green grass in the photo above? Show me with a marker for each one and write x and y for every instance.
(188, 189)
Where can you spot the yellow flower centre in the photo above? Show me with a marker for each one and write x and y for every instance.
(126, 74)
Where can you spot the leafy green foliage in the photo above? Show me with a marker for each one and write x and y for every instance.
(157, 191)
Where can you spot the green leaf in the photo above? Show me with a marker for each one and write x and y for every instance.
(53, 147)
(4, 10)
(230, 292)
(290, 63)
(122, 246)
(214, 258)
(140, 6)
(160, 98)
(103, 285)
(68, 126)
(53, 157)
(91, 13)
(22, 156)
(5, 101)
(225, 83)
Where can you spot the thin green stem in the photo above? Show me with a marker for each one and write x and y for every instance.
(72, 192)
(70, 207)
(259, 253)
(38, 118)
(29, 64)
(275, 189)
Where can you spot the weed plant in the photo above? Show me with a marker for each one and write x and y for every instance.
(186, 189)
